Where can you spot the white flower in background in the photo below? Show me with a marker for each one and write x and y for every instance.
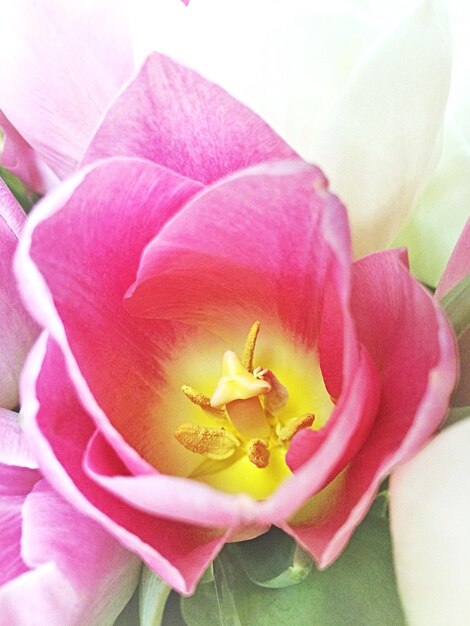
(352, 89)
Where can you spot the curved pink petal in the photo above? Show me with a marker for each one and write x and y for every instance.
(15, 484)
(171, 115)
(459, 264)
(70, 59)
(178, 552)
(17, 330)
(395, 318)
(14, 449)
(67, 229)
(457, 268)
(75, 577)
(169, 496)
(23, 161)
(257, 245)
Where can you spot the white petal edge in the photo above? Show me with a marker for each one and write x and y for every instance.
(383, 141)
(430, 518)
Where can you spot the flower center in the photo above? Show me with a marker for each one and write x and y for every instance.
(245, 409)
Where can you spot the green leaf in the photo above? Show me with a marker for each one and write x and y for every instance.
(130, 614)
(457, 306)
(456, 414)
(153, 594)
(359, 588)
(172, 615)
(208, 575)
(24, 196)
(287, 565)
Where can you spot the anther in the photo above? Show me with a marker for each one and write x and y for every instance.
(277, 398)
(213, 443)
(250, 344)
(201, 400)
(293, 426)
(258, 453)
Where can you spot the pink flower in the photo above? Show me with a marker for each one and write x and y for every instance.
(56, 563)
(147, 271)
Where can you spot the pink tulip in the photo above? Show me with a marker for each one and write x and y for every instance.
(148, 268)
(57, 565)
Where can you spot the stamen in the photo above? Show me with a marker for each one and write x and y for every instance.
(201, 400)
(277, 398)
(258, 453)
(285, 433)
(214, 443)
(250, 344)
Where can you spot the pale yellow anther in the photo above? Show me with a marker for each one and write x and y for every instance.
(285, 433)
(250, 345)
(278, 397)
(236, 383)
(258, 453)
(200, 399)
(213, 443)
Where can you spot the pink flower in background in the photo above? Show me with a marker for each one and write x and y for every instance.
(58, 567)
(72, 83)
(146, 403)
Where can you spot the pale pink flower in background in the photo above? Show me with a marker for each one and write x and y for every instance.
(58, 567)
(67, 62)
(145, 269)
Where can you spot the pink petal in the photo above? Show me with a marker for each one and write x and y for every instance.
(23, 161)
(250, 247)
(15, 484)
(457, 268)
(412, 345)
(60, 431)
(70, 59)
(171, 115)
(160, 494)
(347, 429)
(459, 264)
(77, 573)
(17, 330)
(86, 312)
(14, 449)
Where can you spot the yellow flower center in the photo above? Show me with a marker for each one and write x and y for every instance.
(246, 426)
